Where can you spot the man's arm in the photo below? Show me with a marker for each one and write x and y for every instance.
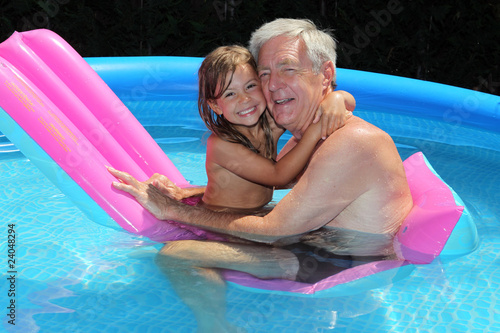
(327, 187)
(249, 227)
(165, 208)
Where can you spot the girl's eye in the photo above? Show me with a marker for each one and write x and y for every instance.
(229, 94)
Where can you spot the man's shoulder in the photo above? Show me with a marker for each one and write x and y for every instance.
(355, 136)
(355, 144)
(357, 128)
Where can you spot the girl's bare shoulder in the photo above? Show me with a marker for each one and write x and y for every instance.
(215, 141)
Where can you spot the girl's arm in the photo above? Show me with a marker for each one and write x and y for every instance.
(349, 101)
(189, 192)
(167, 187)
(334, 110)
(255, 168)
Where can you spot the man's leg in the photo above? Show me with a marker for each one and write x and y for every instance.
(193, 270)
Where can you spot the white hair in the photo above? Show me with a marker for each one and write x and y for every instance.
(320, 45)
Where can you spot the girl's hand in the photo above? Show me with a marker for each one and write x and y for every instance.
(334, 111)
(166, 186)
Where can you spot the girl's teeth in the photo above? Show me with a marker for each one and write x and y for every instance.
(242, 113)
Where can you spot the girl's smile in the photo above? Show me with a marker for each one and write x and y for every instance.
(243, 102)
(247, 112)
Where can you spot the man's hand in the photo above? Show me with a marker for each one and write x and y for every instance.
(149, 196)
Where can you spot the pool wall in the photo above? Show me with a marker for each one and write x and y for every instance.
(149, 79)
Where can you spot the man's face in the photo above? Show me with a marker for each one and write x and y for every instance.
(292, 90)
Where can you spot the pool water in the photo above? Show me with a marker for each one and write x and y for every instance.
(74, 275)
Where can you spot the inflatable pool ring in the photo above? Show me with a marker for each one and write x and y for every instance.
(59, 112)
(437, 225)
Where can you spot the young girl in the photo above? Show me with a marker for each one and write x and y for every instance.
(241, 155)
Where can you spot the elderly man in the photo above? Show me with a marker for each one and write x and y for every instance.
(350, 200)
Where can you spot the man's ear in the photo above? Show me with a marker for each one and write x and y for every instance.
(213, 105)
(328, 70)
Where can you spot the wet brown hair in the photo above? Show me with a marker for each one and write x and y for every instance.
(213, 73)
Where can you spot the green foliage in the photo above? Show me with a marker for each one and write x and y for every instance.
(452, 42)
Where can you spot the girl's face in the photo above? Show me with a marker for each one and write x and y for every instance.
(243, 101)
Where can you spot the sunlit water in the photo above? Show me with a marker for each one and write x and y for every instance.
(77, 276)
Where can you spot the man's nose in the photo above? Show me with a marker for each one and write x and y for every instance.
(275, 82)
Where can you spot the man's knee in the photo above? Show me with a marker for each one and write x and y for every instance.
(186, 253)
(180, 248)
(172, 254)
(287, 263)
